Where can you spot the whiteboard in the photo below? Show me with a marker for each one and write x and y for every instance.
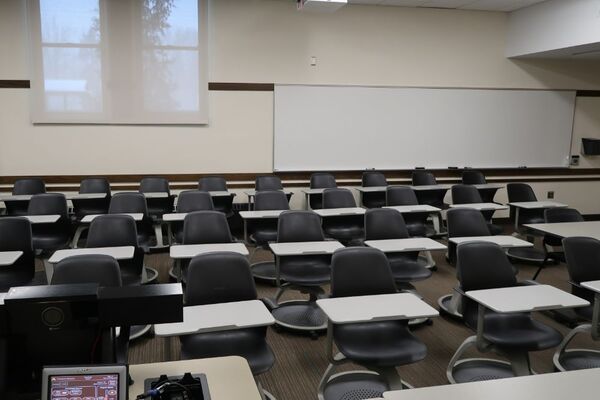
(357, 127)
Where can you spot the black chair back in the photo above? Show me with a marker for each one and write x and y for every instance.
(15, 235)
(269, 182)
(94, 185)
(29, 186)
(466, 222)
(465, 194)
(583, 258)
(47, 204)
(560, 214)
(154, 184)
(219, 277)
(360, 271)
(194, 200)
(401, 196)
(473, 177)
(128, 203)
(299, 226)
(206, 227)
(338, 198)
(322, 180)
(384, 223)
(212, 184)
(271, 200)
(482, 265)
(92, 268)
(519, 192)
(422, 178)
(373, 178)
(112, 231)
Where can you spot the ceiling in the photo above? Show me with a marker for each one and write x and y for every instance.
(487, 5)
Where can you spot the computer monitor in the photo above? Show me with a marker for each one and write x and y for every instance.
(91, 382)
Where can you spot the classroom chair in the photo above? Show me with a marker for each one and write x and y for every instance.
(462, 222)
(157, 206)
(484, 265)
(522, 192)
(378, 346)
(416, 223)
(104, 271)
(370, 179)
(23, 187)
(348, 229)
(135, 203)
(432, 197)
(582, 255)
(201, 227)
(121, 230)
(187, 202)
(473, 177)
(83, 207)
(304, 273)
(423, 178)
(223, 277)
(264, 231)
(15, 235)
(467, 194)
(50, 237)
(406, 267)
(218, 184)
(320, 180)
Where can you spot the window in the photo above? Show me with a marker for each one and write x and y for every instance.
(119, 61)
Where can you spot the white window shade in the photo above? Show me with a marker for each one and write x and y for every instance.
(119, 61)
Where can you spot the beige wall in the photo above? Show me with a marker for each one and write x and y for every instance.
(269, 41)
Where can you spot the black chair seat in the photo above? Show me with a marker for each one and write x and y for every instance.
(519, 331)
(405, 269)
(264, 235)
(129, 278)
(14, 278)
(584, 312)
(379, 344)
(247, 343)
(49, 240)
(344, 232)
(301, 270)
(416, 229)
(495, 229)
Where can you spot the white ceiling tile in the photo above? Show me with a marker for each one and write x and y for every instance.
(445, 3)
(487, 5)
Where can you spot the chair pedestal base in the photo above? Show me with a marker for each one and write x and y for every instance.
(264, 271)
(480, 369)
(150, 275)
(450, 305)
(484, 369)
(356, 385)
(300, 315)
(575, 359)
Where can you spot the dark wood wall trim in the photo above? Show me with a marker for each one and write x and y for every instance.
(14, 84)
(302, 178)
(246, 87)
(237, 86)
(588, 93)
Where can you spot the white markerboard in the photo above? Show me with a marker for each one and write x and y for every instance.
(358, 127)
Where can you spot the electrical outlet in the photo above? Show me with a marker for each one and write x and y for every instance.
(551, 194)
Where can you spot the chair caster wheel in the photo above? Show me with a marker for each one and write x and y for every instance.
(314, 335)
(429, 322)
(277, 328)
